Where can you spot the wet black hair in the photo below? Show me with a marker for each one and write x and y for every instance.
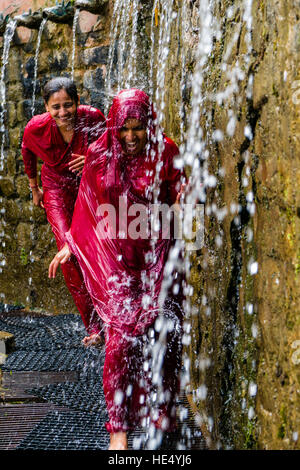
(60, 83)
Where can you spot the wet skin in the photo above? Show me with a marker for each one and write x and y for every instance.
(63, 110)
(133, 137)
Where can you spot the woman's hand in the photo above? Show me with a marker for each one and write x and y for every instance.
(77, 163)
(60, 258)
(37, 197)
(182, 189)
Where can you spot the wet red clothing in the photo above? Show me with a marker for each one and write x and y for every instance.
(122, 276)
(42, 139)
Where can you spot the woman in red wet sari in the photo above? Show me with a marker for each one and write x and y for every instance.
(60, 137)
(123, 268)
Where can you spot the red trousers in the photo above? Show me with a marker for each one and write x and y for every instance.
(128, 383)
(60, 193)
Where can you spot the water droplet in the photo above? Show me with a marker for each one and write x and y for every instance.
(252, 389)
(118, 397)
(253, 267)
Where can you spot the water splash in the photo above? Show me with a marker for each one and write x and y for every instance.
(198, 142)
(194, 156)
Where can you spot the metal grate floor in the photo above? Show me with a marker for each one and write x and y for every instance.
(59, 384)
(18, 420)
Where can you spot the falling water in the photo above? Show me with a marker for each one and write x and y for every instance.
(166, 18)
(123, 49)
(192, 156)
(75, 22)
(37, 51)
(154, 24)
(131, 73)
(158, 98)
(195, 154)
(108, 83)
(8, 36)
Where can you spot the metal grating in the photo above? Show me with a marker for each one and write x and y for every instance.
(50, 365)
(71, 430)
(67, 430)
(80, 359)
(17, 421)
(14, 385)
(82, 395)
(43, 332)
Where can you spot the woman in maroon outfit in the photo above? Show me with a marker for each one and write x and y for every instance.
(60, 137)
(123, 269)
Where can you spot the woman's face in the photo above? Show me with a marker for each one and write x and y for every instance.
(133, 136)
(62, 108)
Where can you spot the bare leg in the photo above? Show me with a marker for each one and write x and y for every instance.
(118, 441)
(93, 340)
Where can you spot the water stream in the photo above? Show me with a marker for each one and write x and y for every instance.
(36, 57)
(8, 36)
(75, 23)
(7, 39)
(109, 76)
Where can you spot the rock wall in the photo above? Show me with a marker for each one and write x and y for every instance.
(245, 342)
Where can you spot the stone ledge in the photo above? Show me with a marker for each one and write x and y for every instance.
(7, 342)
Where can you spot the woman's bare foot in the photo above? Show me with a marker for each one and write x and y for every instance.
(93, 340)
(118, 441)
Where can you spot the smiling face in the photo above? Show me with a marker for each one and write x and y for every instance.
(62, 109)
(133, 136)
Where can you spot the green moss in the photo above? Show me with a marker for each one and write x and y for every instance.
(250, 435)
(290, 325)
(262, 6)
(282, 427)
(297, 265)
(275, 91)
(23, 257)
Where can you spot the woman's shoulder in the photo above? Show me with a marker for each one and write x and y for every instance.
(38, 121)
(170, 148)
(98, 149)
(84, 110)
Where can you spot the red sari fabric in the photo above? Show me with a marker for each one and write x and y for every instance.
(115, 268)
(123, 280)
(43, 140)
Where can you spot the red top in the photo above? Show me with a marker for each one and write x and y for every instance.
(43, 140)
